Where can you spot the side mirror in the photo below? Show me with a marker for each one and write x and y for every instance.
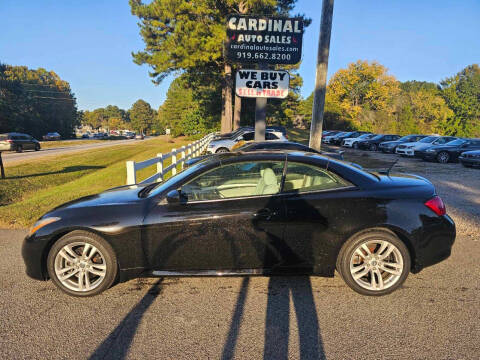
(175, 197)
(240, 138)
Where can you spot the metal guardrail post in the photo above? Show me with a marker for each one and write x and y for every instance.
(182, 157)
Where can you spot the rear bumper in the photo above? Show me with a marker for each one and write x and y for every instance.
(436, 244)
(5, 147)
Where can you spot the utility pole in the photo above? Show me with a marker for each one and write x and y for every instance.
(321, 76)
(260, 113)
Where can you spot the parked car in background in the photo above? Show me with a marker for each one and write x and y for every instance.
(286, 145)
(329, 138)
(337, 140)
(372, 143)
(226, 144)
(329, 133)
(100, 135)
(130, 135)
(251, 213)
(470, 158)
(52, 136)
(85, 136)
(235, 133)
(408, 149)
(353, 142)
(391, 146)
(449, 152)
(139, 137)
(18, 142)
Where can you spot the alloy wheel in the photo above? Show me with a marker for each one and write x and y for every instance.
(80, 266)
(376, 265)
(373, 147)
(443, 157)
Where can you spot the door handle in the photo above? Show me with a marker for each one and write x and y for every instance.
(266, 214)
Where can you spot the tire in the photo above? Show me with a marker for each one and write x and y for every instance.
(19, 148)
(222, 150)
(37, 147)
(443, 157)
(103, 261)
(398, 261)
(355, 145)
(373, 147)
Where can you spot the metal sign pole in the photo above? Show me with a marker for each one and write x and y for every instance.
(260, 113)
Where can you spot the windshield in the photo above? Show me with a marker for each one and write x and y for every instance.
(457, 142)
(429, 139)
(404, 138)
(365, 136)
(348, 133)
(377, 137)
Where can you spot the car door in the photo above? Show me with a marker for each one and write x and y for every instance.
(316, 200)
(228, 220)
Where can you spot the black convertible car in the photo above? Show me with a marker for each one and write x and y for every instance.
(258, 213)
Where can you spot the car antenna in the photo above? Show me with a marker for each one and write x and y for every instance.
(391, 167)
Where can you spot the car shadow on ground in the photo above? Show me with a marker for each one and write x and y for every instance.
(117, 344)
(67, 169)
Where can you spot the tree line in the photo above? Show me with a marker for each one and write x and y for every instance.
(364, 96)
(36, 102)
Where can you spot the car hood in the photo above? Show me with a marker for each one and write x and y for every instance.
(215, 143)
(395, 142)
(115, 196)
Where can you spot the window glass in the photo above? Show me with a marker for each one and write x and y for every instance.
(270, 136)
(248, 136)
(304, 178)
(236, 180)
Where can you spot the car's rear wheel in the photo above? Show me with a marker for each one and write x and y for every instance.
(37, 147)
(221, 150)
(443, 157)
(374, 262)
(19, 148)
(373, 147)
(82, 264)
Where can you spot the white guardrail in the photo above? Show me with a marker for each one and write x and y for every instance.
(185, 152)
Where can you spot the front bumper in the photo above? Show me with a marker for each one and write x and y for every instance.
(405, 151)
(469, 160)
(34, 257)
(389, 150)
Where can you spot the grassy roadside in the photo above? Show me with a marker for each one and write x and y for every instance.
(31, 190)
(66, 143)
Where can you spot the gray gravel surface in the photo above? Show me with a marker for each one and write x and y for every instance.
(435, 315)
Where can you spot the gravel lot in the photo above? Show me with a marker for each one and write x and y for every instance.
(435, 315)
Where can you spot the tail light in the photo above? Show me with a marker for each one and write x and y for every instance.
(436, 205)
(10, 141)
(286, 136)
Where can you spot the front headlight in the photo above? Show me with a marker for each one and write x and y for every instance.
(41, 223)
(430, 150)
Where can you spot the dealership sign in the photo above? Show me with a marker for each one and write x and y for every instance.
(262, 83)
(256, 39)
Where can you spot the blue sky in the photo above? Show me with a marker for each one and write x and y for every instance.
(89, 42)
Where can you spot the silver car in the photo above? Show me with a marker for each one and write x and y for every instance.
(226, 145)
(408, 149)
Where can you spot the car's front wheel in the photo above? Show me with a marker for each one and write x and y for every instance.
(374, 262)
(443, 157)
(355, 145)
(82, 264)
(373, 147)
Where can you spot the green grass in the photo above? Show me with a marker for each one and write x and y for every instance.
(299, 135)
(32, 189)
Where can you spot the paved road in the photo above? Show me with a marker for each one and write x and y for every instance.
(10, 158)
(435, 315)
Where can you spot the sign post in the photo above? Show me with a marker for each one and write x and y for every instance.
(1, 166)
(264, 41)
